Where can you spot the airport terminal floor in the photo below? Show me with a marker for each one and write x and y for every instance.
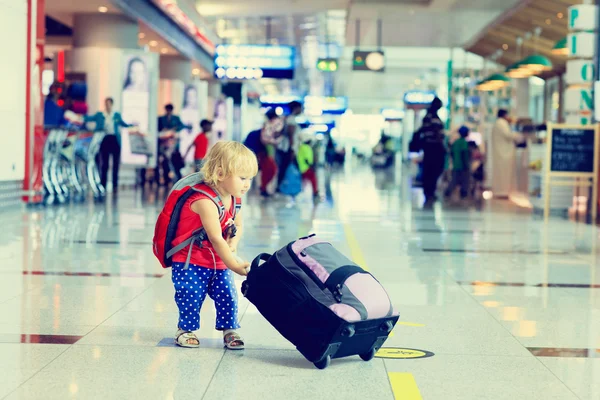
(498, 304)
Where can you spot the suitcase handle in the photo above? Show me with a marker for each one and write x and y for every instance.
(259, 258)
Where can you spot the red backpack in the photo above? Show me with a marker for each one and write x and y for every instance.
(166, 225)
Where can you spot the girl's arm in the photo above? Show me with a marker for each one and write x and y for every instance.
(239, 225)
(209, 215)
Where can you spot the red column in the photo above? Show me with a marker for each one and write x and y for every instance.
(34, 101)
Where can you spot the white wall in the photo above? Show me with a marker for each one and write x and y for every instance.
(13, 45)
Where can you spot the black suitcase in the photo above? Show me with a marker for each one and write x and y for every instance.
(286, 294)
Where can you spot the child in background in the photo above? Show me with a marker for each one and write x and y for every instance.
(477, 168)
(461, 164)
(200, 144)
(306, 161)
(207, 267)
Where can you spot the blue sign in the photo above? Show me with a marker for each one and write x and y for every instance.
(418, 97)
(392, 114)
(254, 62)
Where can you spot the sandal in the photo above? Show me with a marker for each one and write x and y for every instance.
(187, 339)
(233, 341)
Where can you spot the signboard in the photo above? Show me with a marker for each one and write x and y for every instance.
(327, 64)
(254, 62)
(572, 150)
(392, 114)
(319, 105)
(572, 160)
(135, 108)
(368, 61)
(418, 98)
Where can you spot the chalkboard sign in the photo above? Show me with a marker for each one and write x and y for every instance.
(572, 150)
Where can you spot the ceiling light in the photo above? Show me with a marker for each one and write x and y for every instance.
(548, 21)
(153, 43)
(164, 50)
(560, 15)
(505, 46)
(141, 35)
(196, 71)
(102, 9)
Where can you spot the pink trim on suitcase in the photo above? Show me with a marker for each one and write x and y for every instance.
(345, 312)
(370, 293)
(299, 246)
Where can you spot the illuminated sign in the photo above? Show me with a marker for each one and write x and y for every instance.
(327, 65)
(170, 8)
(254, 62)
(368, 61)
(319, 105)
(392, 114)
(418, 98)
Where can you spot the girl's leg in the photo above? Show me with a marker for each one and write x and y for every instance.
(224, 293)
(190, 291)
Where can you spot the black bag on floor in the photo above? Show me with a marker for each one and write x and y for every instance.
(322, 302)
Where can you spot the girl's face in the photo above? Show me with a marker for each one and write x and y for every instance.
(237, 185)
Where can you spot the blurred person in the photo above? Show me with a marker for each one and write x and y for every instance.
(109, 122)
(461, 164)
(288, 146)
(270, 137)
(503, 155)
(200, 144)
(169, 126)
(306, 160)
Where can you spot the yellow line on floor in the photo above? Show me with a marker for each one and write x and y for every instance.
(404, 386)
(355, 251)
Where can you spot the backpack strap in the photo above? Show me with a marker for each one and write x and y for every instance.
(199, 235)
(238, 206)
(214, 196)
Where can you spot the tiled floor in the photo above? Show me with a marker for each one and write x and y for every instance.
(86, 313)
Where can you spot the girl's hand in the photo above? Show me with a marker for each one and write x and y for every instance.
(241, 268)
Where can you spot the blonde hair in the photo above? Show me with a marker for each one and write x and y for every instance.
(227, 158)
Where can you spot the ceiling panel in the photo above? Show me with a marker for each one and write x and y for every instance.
(441, 23)
(258, 8)
(501, 36)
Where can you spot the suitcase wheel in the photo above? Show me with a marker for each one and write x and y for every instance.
(368, 356)
(324, 363)
(387, 327)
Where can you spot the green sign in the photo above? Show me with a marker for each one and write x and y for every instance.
(327, 64)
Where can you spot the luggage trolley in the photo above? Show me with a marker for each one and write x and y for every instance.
(51, 176)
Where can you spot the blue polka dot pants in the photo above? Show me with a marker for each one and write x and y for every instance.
(191, 287)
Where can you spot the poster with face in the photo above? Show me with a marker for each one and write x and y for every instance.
(135, 109)
(190, 115)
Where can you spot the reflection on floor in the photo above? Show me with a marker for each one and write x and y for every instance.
(497, 304)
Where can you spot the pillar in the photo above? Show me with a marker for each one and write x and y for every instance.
(521, 87)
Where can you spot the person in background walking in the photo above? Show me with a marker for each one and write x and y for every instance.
(288, 146)
(110, 122)
(200, 144)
